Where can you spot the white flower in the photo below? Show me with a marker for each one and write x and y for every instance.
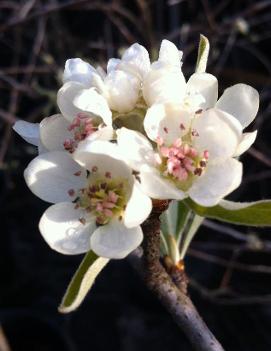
(193, 154)
(121, 85)
(240, 100)
(195, 146)
(85, 115)
(131, 77)
(98, 205)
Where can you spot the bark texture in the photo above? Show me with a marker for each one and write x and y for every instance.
(171, 290)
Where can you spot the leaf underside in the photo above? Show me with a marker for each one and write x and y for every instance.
(256, 213)
(82, 281)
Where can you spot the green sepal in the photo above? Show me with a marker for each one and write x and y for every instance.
(82, 281)
(256, 213)
(174, 218)
(190, 231)
(203, 53)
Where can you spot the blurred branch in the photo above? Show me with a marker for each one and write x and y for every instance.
(227, 296)
(260, 156)
(4, 346)
(225, 263)
(8, 117)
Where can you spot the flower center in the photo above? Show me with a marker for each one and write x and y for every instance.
(103, 197)
(82, 126)
(181, 162)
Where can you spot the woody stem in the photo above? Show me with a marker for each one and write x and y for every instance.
(175, 300)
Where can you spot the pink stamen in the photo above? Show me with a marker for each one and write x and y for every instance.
(71, 192)
(107, 213)
(108, 204)
(69, 145)
(182, 160)
(82, 126)
(113, 197)
(206, 154)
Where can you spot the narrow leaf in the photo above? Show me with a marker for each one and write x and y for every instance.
(256, 213)
(173, 222)
(174, 218)
(82, 281)
(173, 249)
(193, 226)
(203, 53)
(164, 249)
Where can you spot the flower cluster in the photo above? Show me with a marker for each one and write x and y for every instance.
(138, 131)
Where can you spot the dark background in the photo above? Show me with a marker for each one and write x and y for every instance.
(229, 267)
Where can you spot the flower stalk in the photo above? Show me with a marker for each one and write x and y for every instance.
(175, 300)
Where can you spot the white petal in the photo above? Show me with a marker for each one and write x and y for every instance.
(218, 181)
(103, 133)
(204, 84)
(135, 148)
(114, 240)
(136, 59)
(163, 85)
(103, 155)
(73, 98)
(138, 208)
(157, 187)
(65, 98)
(79, 71)
(169, 54)
(101, 72)
(51, 175)
(167, 121)
(54, 131)
(219, 133)
(28, 131)
(122, 90)
(112, 64)
(42, 149)
(241, 101)
(88, 100)
(246, 141)
(62, 230)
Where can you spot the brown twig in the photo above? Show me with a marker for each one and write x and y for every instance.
(176, 301)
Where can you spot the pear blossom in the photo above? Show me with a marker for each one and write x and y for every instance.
(196, 142)
(131, 81)
(241, 101)
(181, 141)
(192, 156)
(79, 120)
(98, 204)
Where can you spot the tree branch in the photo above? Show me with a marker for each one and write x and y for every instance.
(176, 301)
